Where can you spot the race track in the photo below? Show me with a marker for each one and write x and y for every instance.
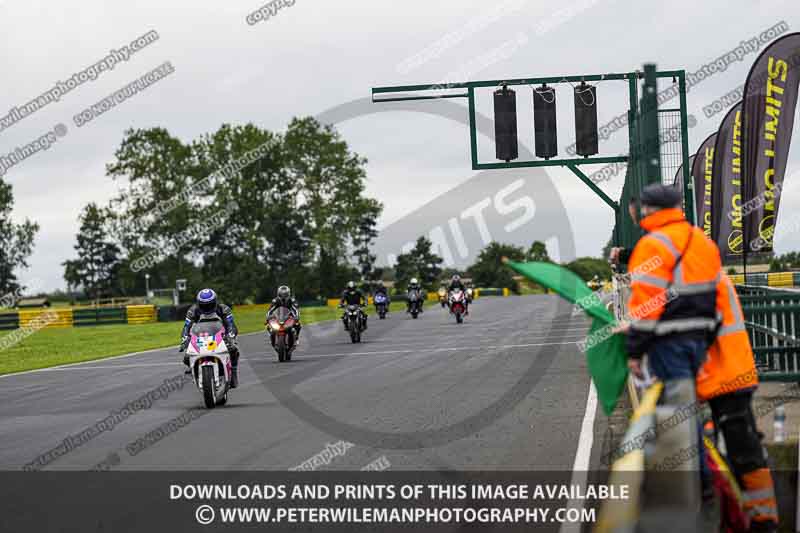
(506, 390)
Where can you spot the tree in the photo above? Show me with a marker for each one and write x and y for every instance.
(331, 181)
(606, 252)
(589, 267)
(243, 204)
(17, 242)
(96, 267)
(261, 234)
(363, 237)
(538, 252)
(489, 271)
(785, 262)
(448, 273)
(420, 263)
(154, 167)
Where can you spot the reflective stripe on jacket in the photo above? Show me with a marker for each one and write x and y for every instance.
(671, 298)
(730, 365)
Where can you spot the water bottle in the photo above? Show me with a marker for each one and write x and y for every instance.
(779, 428)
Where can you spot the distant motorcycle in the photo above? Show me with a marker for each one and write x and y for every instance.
(458, 304)
(443, 297)
(209, 360)
(469, 295)
(281, 330)
(381, 305)
(354, 322)
(414, 303)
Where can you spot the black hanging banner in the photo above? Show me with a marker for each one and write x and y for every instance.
(726, 187)
(678, 181)
(770, 98)
(701, 175)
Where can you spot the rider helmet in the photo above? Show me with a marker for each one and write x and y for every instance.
(414, 281)
(284, 293)
(207, 300)
(456, 278)
(351, 285)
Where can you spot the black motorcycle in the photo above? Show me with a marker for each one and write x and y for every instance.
(355, 322)
(414, 303)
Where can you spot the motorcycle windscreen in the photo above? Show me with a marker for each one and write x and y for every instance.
(208, 328)
(282, 314)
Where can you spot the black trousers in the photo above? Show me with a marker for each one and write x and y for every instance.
(733, 416)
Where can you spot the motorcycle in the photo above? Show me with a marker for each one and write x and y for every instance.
(414, 303)
(354, 322)
(469, 295)
(281, 330)
(209, 360)
(458, 305)
(443, 297)
(381, 305)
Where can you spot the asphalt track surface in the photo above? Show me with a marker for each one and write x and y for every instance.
(505, 390)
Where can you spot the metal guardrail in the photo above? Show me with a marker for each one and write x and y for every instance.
(99, 316)
(9, 321)
(768, 279)
(773, 323)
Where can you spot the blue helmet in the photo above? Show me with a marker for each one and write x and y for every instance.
(207, 300)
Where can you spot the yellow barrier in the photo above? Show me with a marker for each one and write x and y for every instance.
(506, 291)
(737, 279)
(52, 318)
(780, 279)
(141, 314)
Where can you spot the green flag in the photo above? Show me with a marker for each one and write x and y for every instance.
(605, 353)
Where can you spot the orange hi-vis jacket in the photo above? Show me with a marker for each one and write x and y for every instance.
(674, 269)
(730, 365)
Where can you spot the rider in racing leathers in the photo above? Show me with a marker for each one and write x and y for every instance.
(207, 304)
(456, 283)
(284, 298)
(414, 285)
(353, 296)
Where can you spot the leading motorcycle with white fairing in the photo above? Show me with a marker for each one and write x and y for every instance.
(209, 360)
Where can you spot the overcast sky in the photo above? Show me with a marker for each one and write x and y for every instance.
(315, 55)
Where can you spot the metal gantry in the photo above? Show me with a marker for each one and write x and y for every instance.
(643, 158)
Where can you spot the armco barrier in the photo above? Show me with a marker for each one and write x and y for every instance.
(490, 291)
(773, 323)
(780, 279)
(9, 321)
(768, 279)
(99, 316)
(63, 320)
(141, 314)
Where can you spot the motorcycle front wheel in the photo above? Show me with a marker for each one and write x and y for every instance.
(280, 347)
(208, 387)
